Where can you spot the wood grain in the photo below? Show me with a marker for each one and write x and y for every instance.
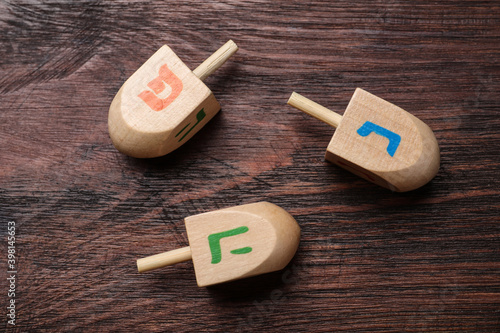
(369, 259)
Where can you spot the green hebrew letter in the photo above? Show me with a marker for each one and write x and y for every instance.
(199, 117)
(214, 243)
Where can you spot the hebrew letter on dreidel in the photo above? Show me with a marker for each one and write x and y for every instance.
(417, 161)
(273, 233)
(158, 85)
(394, 139)
(214, 243)
(199, 117)
(159, 99)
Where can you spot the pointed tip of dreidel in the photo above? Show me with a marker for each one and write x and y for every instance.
(163, 104)
(378, 141)
(234, 243)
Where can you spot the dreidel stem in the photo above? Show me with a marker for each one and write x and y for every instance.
(216, 60)
(314, 109)
(164, 259)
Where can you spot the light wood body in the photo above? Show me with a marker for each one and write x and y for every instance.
(234, 243)
(378, 141)
(415, 161)
(273, 236)
(163, 104)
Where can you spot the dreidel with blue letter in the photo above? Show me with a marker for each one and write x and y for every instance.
(234, 243)
(163, 104)
(378, 141)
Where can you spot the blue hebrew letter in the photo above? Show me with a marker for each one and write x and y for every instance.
(394, 139)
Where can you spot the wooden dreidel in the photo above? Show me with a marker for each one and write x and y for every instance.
(378, 141)
(234, 243)
(163, 104)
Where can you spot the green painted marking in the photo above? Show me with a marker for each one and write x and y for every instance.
(182, 130)
(243, 250)
(199, 117)
(214, 243)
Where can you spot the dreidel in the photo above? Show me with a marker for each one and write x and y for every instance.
(378, 141)
(163, 104)
(234, 243)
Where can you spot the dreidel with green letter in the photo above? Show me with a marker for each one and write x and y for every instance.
(378, 141)
(163, 104)
(234, 243)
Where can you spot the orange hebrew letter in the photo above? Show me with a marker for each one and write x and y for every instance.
(158, 85)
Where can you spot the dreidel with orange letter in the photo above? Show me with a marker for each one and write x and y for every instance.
(378, 141)
(234, 243)
(163, 104)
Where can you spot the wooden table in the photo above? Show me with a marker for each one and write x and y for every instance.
(369, 259)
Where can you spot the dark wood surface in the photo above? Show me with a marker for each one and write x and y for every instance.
(369, 259)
